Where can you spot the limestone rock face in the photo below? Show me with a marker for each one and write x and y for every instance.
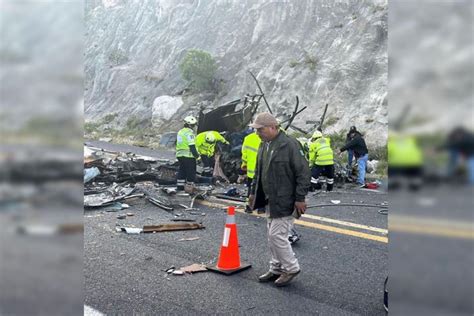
(323, 51)
(164, 107)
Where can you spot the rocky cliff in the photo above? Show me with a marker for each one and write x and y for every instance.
(331, 52)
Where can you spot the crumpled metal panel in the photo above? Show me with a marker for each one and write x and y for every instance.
(226, 118)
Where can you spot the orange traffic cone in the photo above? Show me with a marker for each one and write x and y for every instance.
(229, 257)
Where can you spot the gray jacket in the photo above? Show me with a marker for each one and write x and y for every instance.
(288, 177)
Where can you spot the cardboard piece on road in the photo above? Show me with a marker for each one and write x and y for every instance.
(171, 227)
(195, 267)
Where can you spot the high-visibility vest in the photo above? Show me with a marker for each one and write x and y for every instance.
(305, 145)
(249, 153)
(320, 152)
(204, 148)
(184, 139)
(403, 151)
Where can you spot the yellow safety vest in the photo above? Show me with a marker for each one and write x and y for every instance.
(204, 148)
(403, 151)
(249, 153)
(184, 139)
(320, 152)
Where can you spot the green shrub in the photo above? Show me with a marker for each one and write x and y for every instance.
(90, 127)
(198, 68)
(109, 118)
(311, 61)
(118, 57)
(293, 63)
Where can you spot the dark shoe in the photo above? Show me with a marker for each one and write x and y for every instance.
(293, 238)
(248, 209)
(261, 211)
(269, 276)
(285, 278)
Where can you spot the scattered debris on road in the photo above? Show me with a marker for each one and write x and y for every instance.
(48, 230)
(129, 230)
(195, 267)
(189, 239)
(171, 227)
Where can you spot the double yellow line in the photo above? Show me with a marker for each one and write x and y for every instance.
(431, 226)
(333, 229)
(397, 223)
(343, 231)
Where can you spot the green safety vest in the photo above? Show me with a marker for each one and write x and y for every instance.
(403, 152)
(184, 139)
(204, 148)
(320, 152)
(249, 153)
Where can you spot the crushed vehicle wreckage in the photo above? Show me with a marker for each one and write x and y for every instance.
(111, 177)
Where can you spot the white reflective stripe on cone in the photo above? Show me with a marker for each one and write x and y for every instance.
(225, 241)
(230, 219)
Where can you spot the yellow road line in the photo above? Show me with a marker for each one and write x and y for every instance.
(313, 225)
(431, 226)
(397, 223)
(342, 231)
(344, 223)
(435, 221)
(433, 231)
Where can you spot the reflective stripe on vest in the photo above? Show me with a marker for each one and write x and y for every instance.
(249, 153)
(323, 155)
(184, 139)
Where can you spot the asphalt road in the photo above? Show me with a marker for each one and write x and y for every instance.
(343, 265)
(40, 274)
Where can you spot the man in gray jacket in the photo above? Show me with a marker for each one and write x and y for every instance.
(281, 182)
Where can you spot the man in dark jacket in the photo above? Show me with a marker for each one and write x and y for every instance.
(357, 145)
(350, 153)
(281, 182)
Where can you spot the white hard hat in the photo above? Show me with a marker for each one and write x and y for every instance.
(191, 120)
(317, 134)
(210, 138)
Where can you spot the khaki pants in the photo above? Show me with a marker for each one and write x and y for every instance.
(283, 257)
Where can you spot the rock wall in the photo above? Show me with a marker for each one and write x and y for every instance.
(331, 52)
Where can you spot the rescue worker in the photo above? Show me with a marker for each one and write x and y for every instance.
(305, 145)
(186, 153)
(206, 147)
(249, 161)
(321, 161)
(357, 144)
(405, 161)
